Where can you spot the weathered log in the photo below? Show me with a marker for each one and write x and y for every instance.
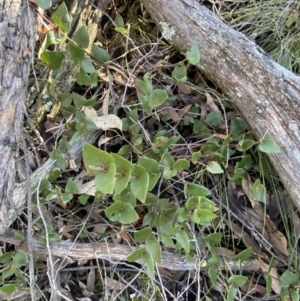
(115, 253)
(16, 49)
(266, 94)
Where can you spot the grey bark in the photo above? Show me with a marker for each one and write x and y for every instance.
(115, 253)
(16, 49)
(266, 94)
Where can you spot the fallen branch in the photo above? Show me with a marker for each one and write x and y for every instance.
(116, 253)
(265, 93)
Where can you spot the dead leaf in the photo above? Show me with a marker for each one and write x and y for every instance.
(103, 140)
(183, 88)
(84, 289)
(88, 188)
(296, 223)
(248, 240)
(253, 288)
(90, 282)
(104, 122)
(210, 103)
(172, 112)
(122, 234)
(203, 108)
(273, 274)
(183, 111)
(221, 251)
(114, 284)
(276, 238)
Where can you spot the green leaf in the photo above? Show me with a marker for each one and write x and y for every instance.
(8, 289)
(83, 199)
(146, 87)
(52, 59)
(121, 212)
(51, 38)
(231, 294)
(214, 168)
(53, 237)
(167, 160)
(45, 185)
(82, 37)
(95, 159)
(6, 256)
(238, 280)
(139, 183)
(44, 4)
(183, 240)
(61, 18)
(268, 146)
(65, 98)
(193, 55)
(153, 247)
(105, 179)
(244, 255)
(214, 118)
(21, 257)
(167, 240)
(203, 216)
(125, 196)
(145, 99)
(245, 144)
(196, 190)
(124, 170)
(213, 275)
(152, 168)
(80, 101)
(94, 79)
(179, 73)
(66, 197)
(147, 258)
(51, 196)
(119, 21)
(22, 277)
(288, 278)
(181, 164)
(237, 126)
(55, 173)
(121, 29)
(213, 261)
(8, 271)
(157, 97)
(294, 295)
(124, 150)
(200, 127)
(268, 284)
(87, 65)
(76, 53)
(18, 237)
(142, 235)
(82, 79)
(100, 54)
(61, 161)
(71, 187)
(213, 238)
(192, 203)
(246, 162)
(258, 191)
(136, 255)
